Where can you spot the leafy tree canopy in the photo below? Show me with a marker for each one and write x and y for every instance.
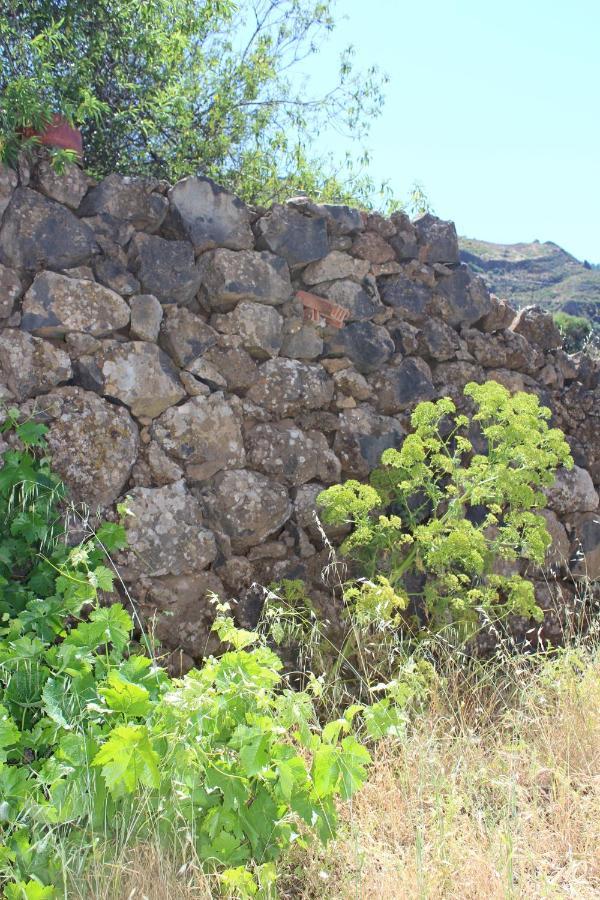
(170, 87)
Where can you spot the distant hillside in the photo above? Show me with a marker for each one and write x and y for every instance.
(537, 273)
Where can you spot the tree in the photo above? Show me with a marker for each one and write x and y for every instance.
(170, 87)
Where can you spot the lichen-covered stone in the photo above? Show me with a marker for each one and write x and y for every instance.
(585, 560)
(228, 278)
(208, 215)
(291, 455)
(369, 346)
(573, 491)
(8, 183)
(146, 316)
(246, 506)
(438, 241)
(372, 247)
(185, 336)
(301, 341)
(37, 233)
(93, 444)
(141, 376)
(165, 533)
(361, 439)
(335, 266)
(287, 386)
(235, 365)
(203, 434)
(361, 300)
(11, 289)
(538, 327)
(114, 274)
(128, 199)
(166, 269)
(259, 327)
(461, 298)
(401, 387)
(29, 365)
(300, 239)
(67, 187)
(437, 340)
(411, 300)
(54, 305)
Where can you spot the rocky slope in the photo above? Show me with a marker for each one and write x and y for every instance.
(536, 273)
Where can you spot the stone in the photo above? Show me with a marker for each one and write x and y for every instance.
(69, 187)
(353, 384)
(361, 300)
(303, 342)
(500, 316)
(286, 387)
(208, 215)
(404, 335)
(29, 365)
(141, 376)
(228, 277)
(180, 612)
(129, 199)
(367, 345)
(400, 388)
(585, 560)
(112, 234)
(203, 434)
(38, 233)
(11, 289)
(146, 316)
(573, 491)
(235, 365)
(164, 268)
(335, 266)
(246, 506)
(437, 340)
(8, 184)
(115, 275)
(341, 220)
(300, 239)
(372, 247)
(185, 336)
(163, 470)
(165, 533)
(81, 344)
(538, 327)
(207, 373)
(306, 514)
(55, 305)
(438, 241)
(93, 444)
(558, 551)
(193, 386)
(410, 300)
(361, 439)
(288, 454)
(404, 242)
(461, 298)
(260, 328)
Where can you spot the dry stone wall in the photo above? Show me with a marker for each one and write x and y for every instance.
(162, 334)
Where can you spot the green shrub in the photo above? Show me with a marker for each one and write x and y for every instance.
(441, 513)
(96, 739)
(575, 330)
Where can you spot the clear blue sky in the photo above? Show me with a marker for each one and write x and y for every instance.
(493, 106)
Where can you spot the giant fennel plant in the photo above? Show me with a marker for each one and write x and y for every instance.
(441, 512)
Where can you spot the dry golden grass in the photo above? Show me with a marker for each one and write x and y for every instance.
(494, 793)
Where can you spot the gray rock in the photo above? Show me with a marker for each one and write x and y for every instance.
(352, 384)
(185, 336)
(207, 373)
(235, 365)
(500, 316)
(141, 376)
(300, 239)
(39, 233)
(246, 506)
(437, 340)
(115, 275)
(93, 444)
(573, 491)
(8, 183)
(68, 187)
(165, 533)
(361, 439)
(286, 453)
(361, 300)
(229, 277)
(437, 240)
(259, 327)
(461, 298)
(55, 305)
(303, 342)
(335, 266)
(29, 365)
(11, 289)
(110, 232)
(585, 560)
(128, 199)
(538, 327)
(163, 469)
(404, 242)
(369, 346)
(146, 316)
(410, 300)
(341, 220)
(373, 247)
(208, 215)
(165, 269)
(402, 387)
(203, 434)
(285, 387)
